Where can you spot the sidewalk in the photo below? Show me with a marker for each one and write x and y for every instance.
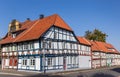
(22, 73)
(28, 73)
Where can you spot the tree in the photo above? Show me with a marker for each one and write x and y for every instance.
(95, 35)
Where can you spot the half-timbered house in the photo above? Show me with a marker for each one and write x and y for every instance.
(44, 44)
(84, 49)
(104, 54)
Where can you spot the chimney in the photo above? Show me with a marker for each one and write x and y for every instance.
(28, 19)
(41, 16)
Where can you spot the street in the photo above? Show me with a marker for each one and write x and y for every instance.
(2, 74)
(102, 72)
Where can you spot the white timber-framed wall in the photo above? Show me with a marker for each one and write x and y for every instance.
(96, 59)
(60, 47)
(9, 56)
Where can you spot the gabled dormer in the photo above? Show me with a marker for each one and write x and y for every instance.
(14, 26)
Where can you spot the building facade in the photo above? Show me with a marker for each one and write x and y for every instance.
(44, 44)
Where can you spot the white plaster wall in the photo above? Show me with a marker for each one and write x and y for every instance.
(84, 62)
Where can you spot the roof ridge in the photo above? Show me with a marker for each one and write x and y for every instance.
(27, 30)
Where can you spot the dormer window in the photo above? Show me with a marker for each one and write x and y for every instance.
(12, 28)
(14, 35)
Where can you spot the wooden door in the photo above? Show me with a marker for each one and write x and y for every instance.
(64, 63)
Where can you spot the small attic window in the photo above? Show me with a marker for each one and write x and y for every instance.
(112, 49)
(14, 35)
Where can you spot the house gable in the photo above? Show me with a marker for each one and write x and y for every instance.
(59, 34)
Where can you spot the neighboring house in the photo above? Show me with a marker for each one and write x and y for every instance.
(104, 54)
(47, 43)
(96, 55)
(113, 56)
(85, 53)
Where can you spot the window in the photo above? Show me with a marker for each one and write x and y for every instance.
(10, 47)
(12, 28)
(70, 45)
(74, 59)
(64, 37)
(31, 45)
(60, 36)
(73, 46)
(14, 48)
(32, 61)
(56, 29)
(55, 35)
(68, 37)
(55, 45)
(24, 62)
(13, 35)
(60, 45)
(44, 44)
(63, 45)
(70, 59)
(7, 48)
(50, 44)
(60, 30)
(25, 46)
(20, 47)
(49, 62)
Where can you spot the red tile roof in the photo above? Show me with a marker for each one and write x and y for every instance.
(35, 29)
(111, 48)
(94, 46)
(83, 40)
(102, 47)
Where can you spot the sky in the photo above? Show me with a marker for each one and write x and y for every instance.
(80, 15)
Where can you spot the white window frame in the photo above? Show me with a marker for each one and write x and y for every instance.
(32, 62)
(31, 45)
(25, 46)
(24, 62)
(49, 61)
(20, 47)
